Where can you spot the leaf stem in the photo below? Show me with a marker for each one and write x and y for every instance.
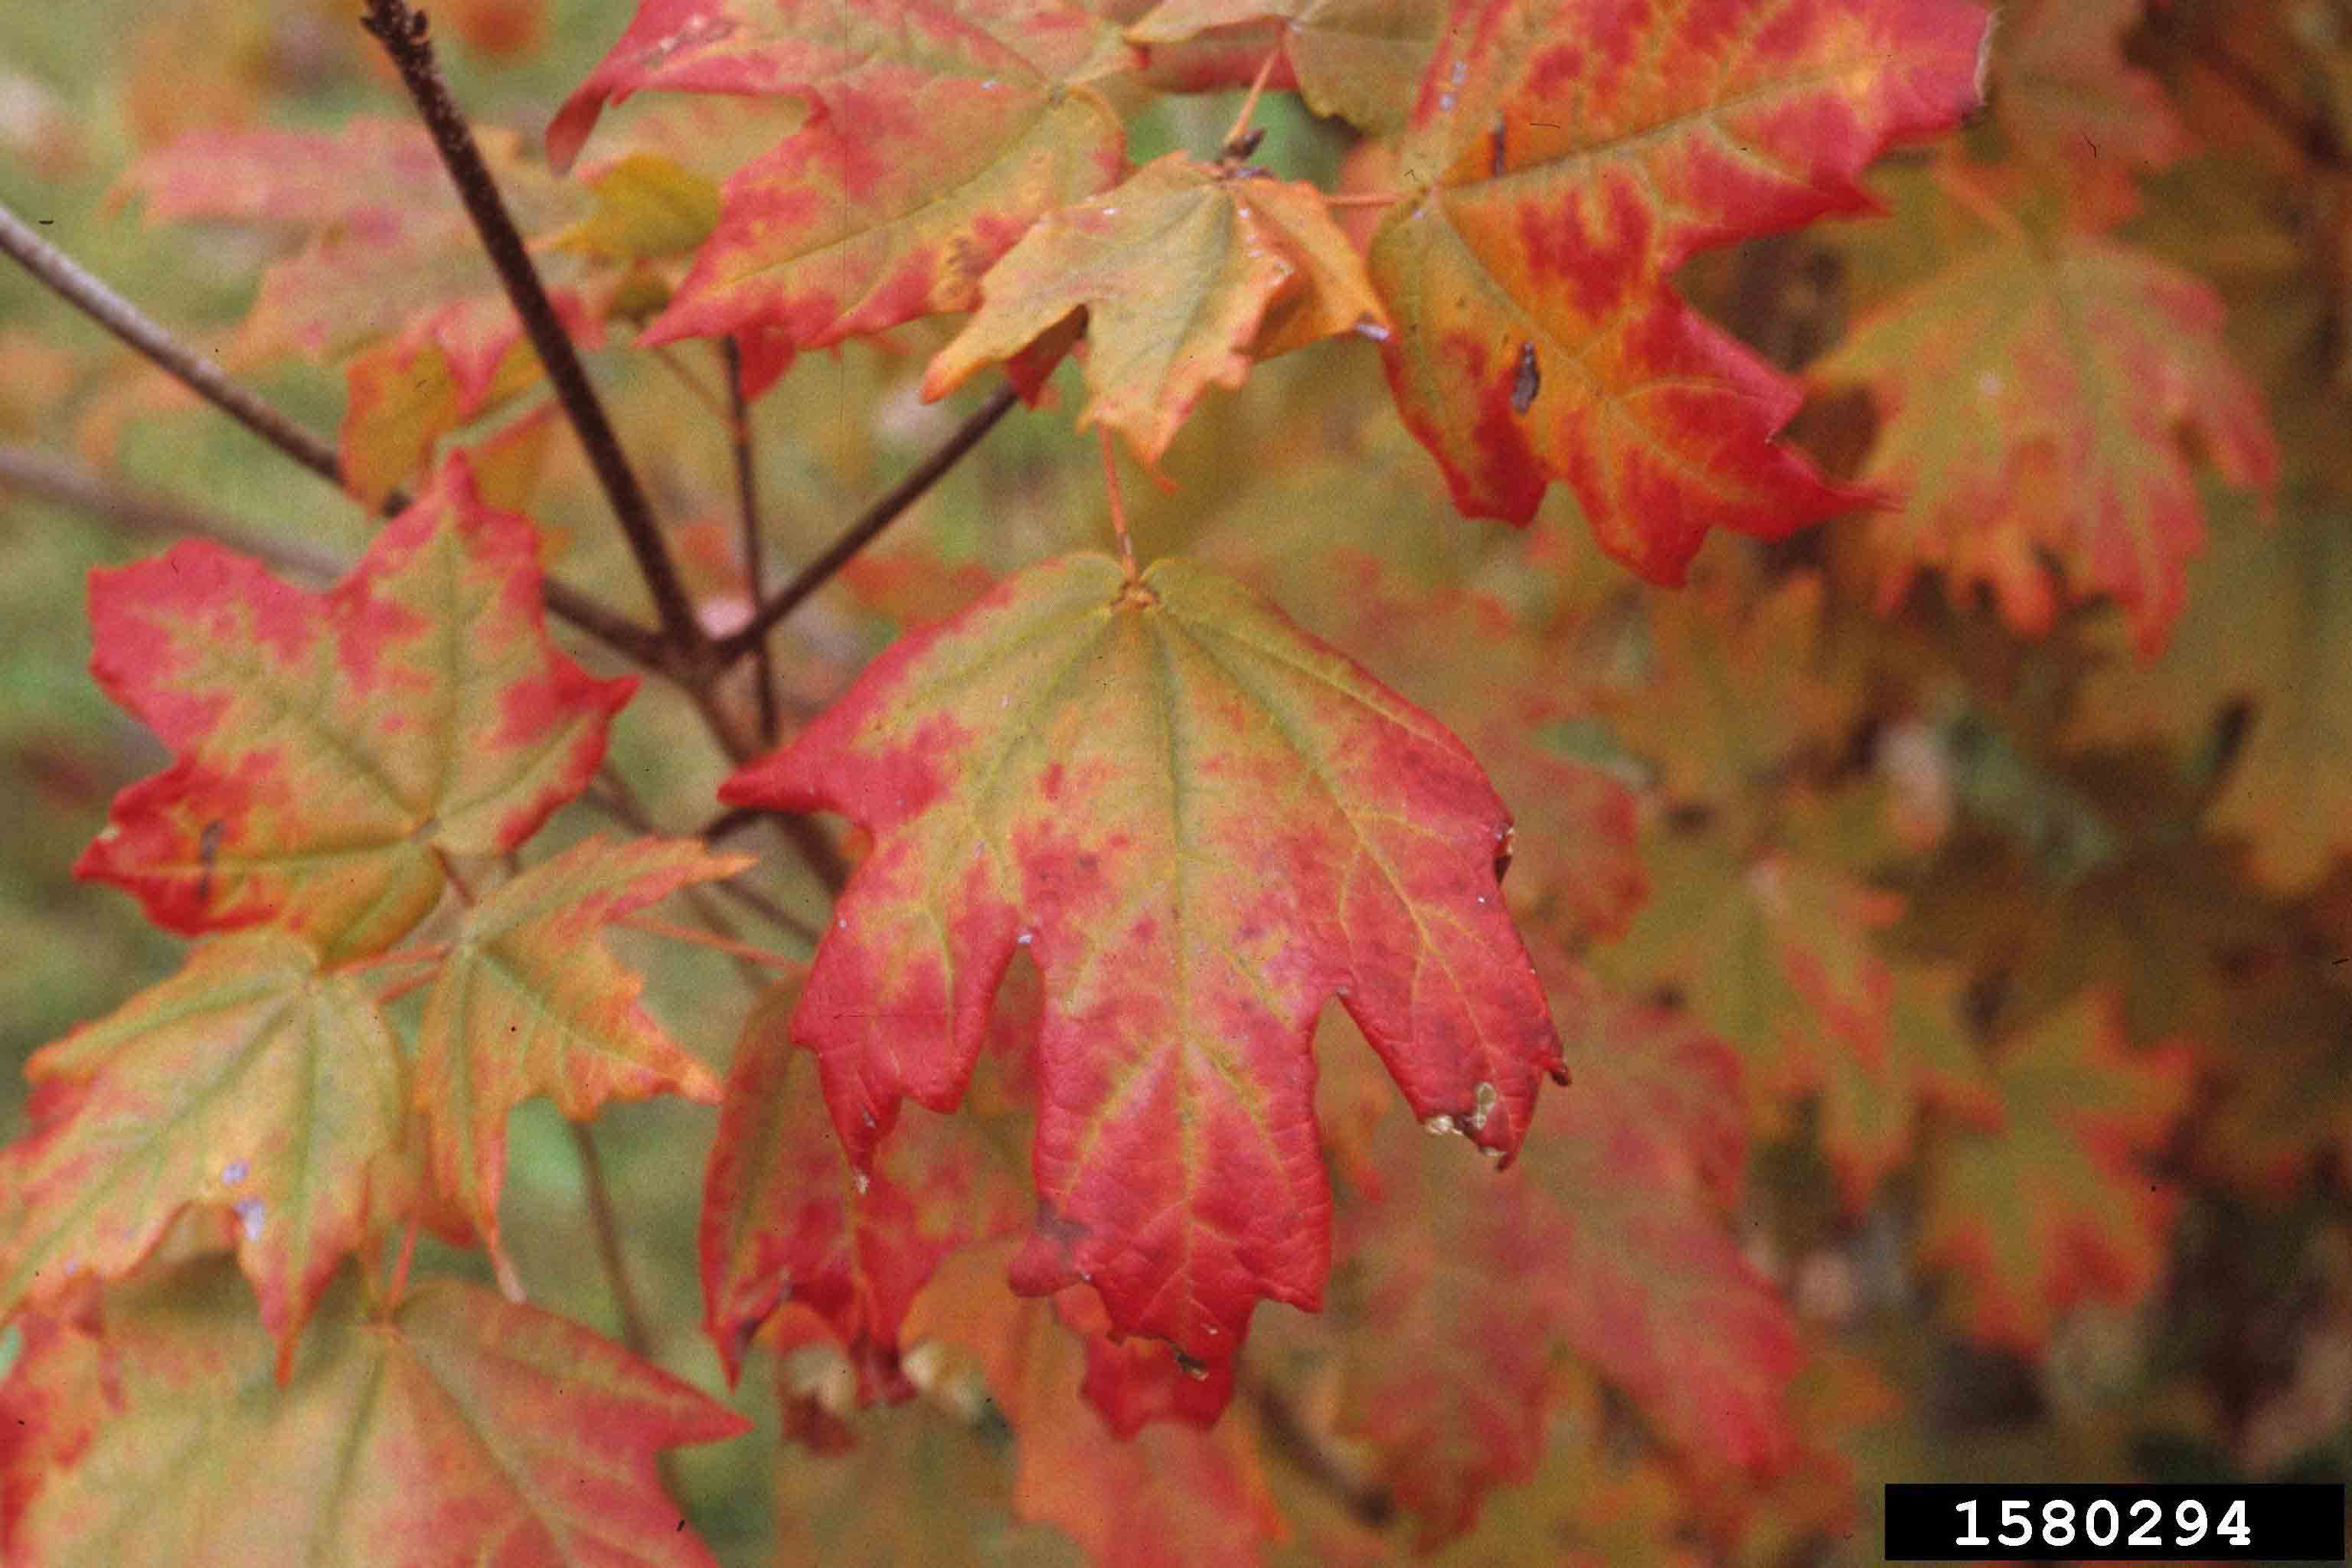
(655, 926)
(399, 1286)
(665, 357)
(1362, 198)
(433, 954)
(1117, 506)
(869, 524)
(1966, 193)
(746, 510)
(1235, 146)
(401, 32)
(458, 882)
(404, 985)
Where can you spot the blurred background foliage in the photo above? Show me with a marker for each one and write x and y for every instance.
(2041, 818)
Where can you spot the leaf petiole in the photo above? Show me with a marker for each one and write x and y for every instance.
(655, 926)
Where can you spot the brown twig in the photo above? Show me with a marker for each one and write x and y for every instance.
(869, 525)
(127, 322)
(101, 303)
(618, 799)
(65, 483)
(401, 32)
(746, 510)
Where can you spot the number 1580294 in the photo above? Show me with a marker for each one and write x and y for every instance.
(2091, 1523)
(2135, 1523)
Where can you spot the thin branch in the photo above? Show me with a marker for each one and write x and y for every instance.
(110, 309)
(401, 32)
(869, 524)
(665, 357)
(622, 803)
(604, 1224)
(141, 332)
(747, 508)
(807, 836)
(65, 483)
(729, 822)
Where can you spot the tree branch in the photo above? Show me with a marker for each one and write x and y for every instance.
(143, 333)
(401, 32)
(746, 507)
(869, 524)
(622, 803)
(65, 483)
(145, 514)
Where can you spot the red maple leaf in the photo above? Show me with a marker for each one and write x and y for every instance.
(1562, 160)
(1202, 825)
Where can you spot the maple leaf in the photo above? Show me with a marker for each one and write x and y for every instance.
(2052, 1210)
(1170, 1497)
(1185, 273)
(457, 1428)
(529, 1001)
(1202, 825)
(2035, 394)
(2270, 625)
(1385, 585)
(1607, 1239)
(785, 1215)
(250, 1082)
(444, 369)
(936, 130)
(1359, 59)
(331, 747)
(1561, 165)
(1576, 863)
(385, 241)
